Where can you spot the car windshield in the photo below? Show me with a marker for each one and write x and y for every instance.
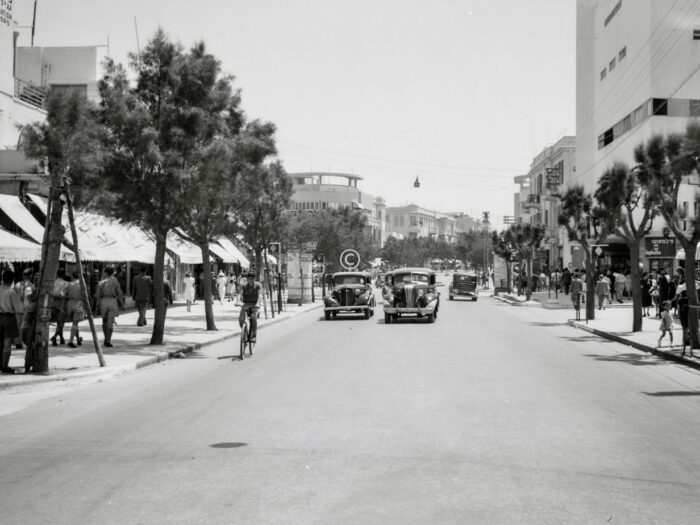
(348, 279)
(411, 278)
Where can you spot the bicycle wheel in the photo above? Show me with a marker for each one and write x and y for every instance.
(244, 339)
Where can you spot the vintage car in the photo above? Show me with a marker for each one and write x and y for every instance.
(464, 284)
(411, 291)
(351, 292)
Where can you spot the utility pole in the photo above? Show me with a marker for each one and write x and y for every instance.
(486, 222)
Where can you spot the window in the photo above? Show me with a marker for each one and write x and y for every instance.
(413, 220)
(611, 66)
(696, 33)
(622, 54)
(659, 106)
(695, 108)
(613, 13)
(603, 73)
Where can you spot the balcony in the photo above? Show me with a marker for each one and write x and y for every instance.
(533, 201)
(30, 93)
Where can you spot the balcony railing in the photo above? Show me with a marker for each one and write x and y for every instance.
(30, 93)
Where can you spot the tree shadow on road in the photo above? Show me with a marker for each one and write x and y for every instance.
(672, 393)
(548, 324)
(632, 359)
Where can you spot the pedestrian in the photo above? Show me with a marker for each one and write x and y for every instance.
(189, 290)
(26, 291)
(666, 323)
(646, 294)
(654, 293)
(682, 302)
(576, 289)
(142, 291)
(167, 292)
(602, 291)
(628, 284)
(9, 304)
(110, 299)
(565, 281)
(59, 289)
(619, 286)
(662, 283)
(230, 287)
(74, 309)
(584, 287)
(221, 285)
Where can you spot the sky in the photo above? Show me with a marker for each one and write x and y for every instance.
(462, 94)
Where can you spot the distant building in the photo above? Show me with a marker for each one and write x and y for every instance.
(537, 199)
(316, 191)
(413, 221)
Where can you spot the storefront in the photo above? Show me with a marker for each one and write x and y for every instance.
(659, 254)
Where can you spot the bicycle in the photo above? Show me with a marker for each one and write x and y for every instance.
(245, 339)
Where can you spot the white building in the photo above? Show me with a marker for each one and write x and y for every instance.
(637, 75)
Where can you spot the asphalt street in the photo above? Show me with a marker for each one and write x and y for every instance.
(492, 414)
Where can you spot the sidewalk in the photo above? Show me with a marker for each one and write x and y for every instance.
(184, 332)
(615, 323)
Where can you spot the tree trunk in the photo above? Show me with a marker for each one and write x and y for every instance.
(590, 284)
(636, 287)
(269, 283)
(158, 295)
(508, 276)
(692, 294)
(528, 289)
(258, 263)
(38, 350)
(206, 287)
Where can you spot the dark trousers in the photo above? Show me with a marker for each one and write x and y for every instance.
(141, 307)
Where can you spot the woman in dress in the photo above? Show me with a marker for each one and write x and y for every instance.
(646, 295)
(230, 287)
(189, 290)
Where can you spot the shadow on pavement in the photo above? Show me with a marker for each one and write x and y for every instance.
(565, 323)
(233, 444)
(587, 339)
(671, 393)
(632, 359)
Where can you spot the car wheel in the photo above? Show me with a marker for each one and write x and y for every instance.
(335, 314)
(328, 315)
(367, 313)
(452, 297)
(387, 318)
(431, 318)
(474, 299)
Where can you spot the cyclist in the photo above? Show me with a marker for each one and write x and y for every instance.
(249, 297)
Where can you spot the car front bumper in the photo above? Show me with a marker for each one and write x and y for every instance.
(346, 308)
(405, 310)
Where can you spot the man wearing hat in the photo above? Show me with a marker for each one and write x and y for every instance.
(110, 298)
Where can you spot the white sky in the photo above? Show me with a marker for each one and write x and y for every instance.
(461, 93)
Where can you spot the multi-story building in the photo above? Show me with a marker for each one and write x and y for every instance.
(413, 221)
(537, 201)
(319, 191)
(636, 76)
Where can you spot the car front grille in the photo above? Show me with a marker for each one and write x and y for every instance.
(409, 293)
(347, 297)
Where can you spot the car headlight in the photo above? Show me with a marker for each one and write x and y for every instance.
(357, 291)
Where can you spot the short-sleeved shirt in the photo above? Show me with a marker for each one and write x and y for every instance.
(250, 294)
(9, 301)
(59, 287)
(73, 291)
(109, 288)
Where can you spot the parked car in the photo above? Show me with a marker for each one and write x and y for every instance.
(464, 284)
(351, 292)
(411, 291)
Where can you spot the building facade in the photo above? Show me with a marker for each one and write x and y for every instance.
(315, 191)
(413, 221)
(636, 76)
(538, 198)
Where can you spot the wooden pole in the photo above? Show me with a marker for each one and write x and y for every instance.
(83, 288)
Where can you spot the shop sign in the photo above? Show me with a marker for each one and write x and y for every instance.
(660, 247)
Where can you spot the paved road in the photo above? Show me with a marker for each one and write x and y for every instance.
(493, 414)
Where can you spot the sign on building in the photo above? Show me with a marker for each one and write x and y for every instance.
(660, 247)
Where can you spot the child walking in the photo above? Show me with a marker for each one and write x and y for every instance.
(666, 323)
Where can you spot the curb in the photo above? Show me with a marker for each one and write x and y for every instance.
(108, 372)
(518, 303)
(663, 354)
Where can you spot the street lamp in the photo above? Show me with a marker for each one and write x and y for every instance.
(486, 222)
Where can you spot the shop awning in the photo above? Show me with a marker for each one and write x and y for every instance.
(680, 254)
(231, 248)
(103, 239)
(221, 252)
(15, 210)
(187, 252)
(16, 249)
